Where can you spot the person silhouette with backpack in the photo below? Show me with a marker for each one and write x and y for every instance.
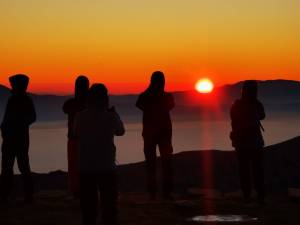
(19, 115)
(246, 114)
(156, 105)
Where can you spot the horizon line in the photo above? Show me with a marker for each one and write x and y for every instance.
(120, 93)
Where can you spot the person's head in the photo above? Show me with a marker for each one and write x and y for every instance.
(98, 96)
(19, 83)
(249, 89)
(157, 83)
(81, 87)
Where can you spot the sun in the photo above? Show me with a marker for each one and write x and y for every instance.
(204, 85)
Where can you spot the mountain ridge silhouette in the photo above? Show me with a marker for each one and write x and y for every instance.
(279, 96)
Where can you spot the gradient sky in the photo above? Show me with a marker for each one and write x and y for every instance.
(120, 42)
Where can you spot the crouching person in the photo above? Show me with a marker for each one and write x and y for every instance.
(95, 129)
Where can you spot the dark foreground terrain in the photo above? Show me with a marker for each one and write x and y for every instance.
(56, 208)
(206, 183)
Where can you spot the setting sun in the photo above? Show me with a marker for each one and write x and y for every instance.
(204, 85)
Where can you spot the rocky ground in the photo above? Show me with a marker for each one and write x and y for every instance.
(57, 208)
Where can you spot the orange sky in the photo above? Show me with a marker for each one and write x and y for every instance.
(122, 42)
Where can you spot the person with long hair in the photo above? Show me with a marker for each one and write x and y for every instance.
(71, 107)
(246, 114)
(156, 105)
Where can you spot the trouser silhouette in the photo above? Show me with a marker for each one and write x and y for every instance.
(73, 172)
(90, 184)
(11, 150)
(166, 153)
(251, 170)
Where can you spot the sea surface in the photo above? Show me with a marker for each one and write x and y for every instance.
(49, 141)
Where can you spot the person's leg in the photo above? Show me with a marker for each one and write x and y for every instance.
(244, 172)
(89, 198)
(166, 153)
(150, 160)
(109, 198)
(24, 167)
(73, 173)
(7, 172)
(258, 174)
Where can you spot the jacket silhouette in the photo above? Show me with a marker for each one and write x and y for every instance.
(156, 105)
(95, 129)
(19, 115)
(246, 114)
(71, 107)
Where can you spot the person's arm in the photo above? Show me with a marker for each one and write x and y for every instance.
(170, 102)
(67, 106)
(118, 126)
(232, 112)
(140, 103)
(234, 115)
(261, 111)
(31, 113)
(76, 126)
(5, 121)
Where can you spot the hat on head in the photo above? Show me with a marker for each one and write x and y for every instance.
(19, 82)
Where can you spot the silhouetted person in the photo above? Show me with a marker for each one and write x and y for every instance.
(71, 107)
(246, 114)
(157, 130)
(95, 129)
(19, 115)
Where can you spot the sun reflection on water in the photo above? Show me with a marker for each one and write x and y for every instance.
(222, 218)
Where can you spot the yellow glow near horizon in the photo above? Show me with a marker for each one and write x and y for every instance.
(117, 41)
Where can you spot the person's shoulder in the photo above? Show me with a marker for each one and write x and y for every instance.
(143, 94)
(28, 97)
(168, 94)
(70, 101)
(237, 102)
(109, 114)
(25, 98)
(69, 105)
(259, 102)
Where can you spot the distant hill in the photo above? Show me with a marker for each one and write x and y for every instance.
(279, 97)
(206, 169)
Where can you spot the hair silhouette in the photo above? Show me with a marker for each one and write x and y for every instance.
(81, 87)
(249, 90)
(71, 107)
(157, 83)
(98, 96)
